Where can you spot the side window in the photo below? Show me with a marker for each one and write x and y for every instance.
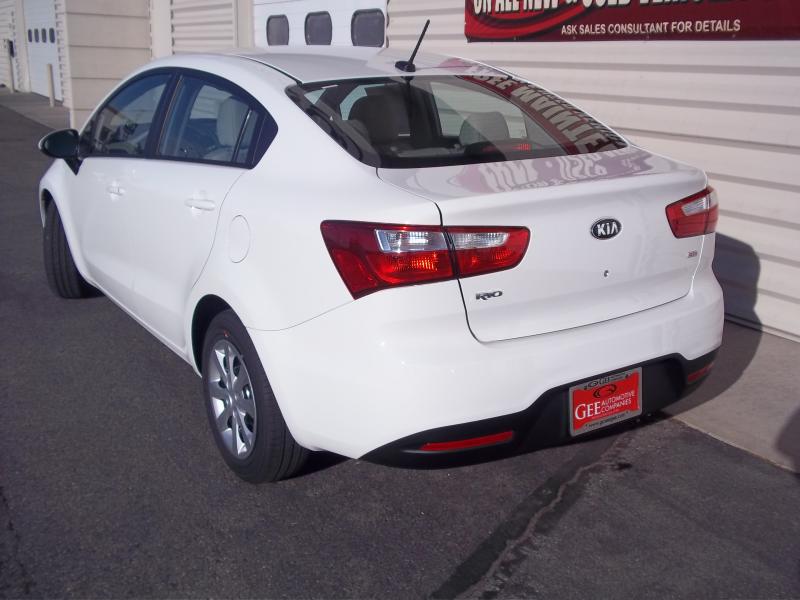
(278, 30)
(44, 34)
(319, 29)
(368, 28)
(122, 126)
(30, 35)
(36, 34)
(52, 36)
(208, 123)
(248, 139)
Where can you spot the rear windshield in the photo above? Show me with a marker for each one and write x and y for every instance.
(402, 122)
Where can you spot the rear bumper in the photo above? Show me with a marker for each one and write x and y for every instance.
(544, 423)
(400, 362)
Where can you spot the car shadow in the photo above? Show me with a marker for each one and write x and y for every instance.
(789, 442)
(737, 268)
(319, 461)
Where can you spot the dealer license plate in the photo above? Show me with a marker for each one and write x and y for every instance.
(604, 401)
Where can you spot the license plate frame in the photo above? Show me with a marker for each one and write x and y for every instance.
(605, 401)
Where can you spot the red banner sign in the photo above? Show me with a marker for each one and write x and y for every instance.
(594, 20)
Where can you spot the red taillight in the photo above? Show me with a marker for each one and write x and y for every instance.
(370, 257)
(695, 215)
(373, 256)
(478, 442)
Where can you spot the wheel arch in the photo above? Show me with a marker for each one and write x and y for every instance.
(45, 199)
(208, 307)
(49, 198)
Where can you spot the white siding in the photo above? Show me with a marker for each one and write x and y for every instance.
(100, 42)
(6, 32)
(9, 30)
(731, 108)
(199, 25)
(63, 58)
(207, 25)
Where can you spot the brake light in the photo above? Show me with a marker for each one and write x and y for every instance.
(695, 215)
(373, 256)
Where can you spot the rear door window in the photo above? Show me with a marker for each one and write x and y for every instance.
(208, 123)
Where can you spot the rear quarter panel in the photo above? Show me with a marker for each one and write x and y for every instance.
(287, 276)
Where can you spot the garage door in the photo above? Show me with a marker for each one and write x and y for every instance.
(40, 37)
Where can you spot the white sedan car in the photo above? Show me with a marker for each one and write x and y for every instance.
(407, 266)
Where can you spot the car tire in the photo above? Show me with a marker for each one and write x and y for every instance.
(244, 416)
(62, 274)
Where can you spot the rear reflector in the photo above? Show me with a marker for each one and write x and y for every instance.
(373, 256)
(478, 442)
(699, 374)
(695, 215)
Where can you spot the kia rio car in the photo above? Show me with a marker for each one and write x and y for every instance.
(399, 265)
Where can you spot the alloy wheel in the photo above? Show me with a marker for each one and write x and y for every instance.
(232, 399)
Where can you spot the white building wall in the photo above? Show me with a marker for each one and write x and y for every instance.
(160, 28)
(6, 32)
(99, 43)
(63, 56)
(731, 108)
(12, 27)
(207, 25)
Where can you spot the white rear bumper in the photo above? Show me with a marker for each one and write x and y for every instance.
(402, 361)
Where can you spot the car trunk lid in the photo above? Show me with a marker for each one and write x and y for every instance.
(569, 277)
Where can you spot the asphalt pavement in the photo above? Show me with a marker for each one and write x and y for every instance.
(110, 485)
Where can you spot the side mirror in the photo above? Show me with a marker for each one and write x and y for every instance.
(60, 144)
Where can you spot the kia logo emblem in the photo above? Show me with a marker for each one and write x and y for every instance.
(605, 229)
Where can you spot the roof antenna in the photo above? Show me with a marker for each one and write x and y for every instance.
(408, 65)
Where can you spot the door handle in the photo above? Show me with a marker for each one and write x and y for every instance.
(200, 203)
(115, 189)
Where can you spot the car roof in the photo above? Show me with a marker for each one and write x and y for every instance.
(329, 63)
